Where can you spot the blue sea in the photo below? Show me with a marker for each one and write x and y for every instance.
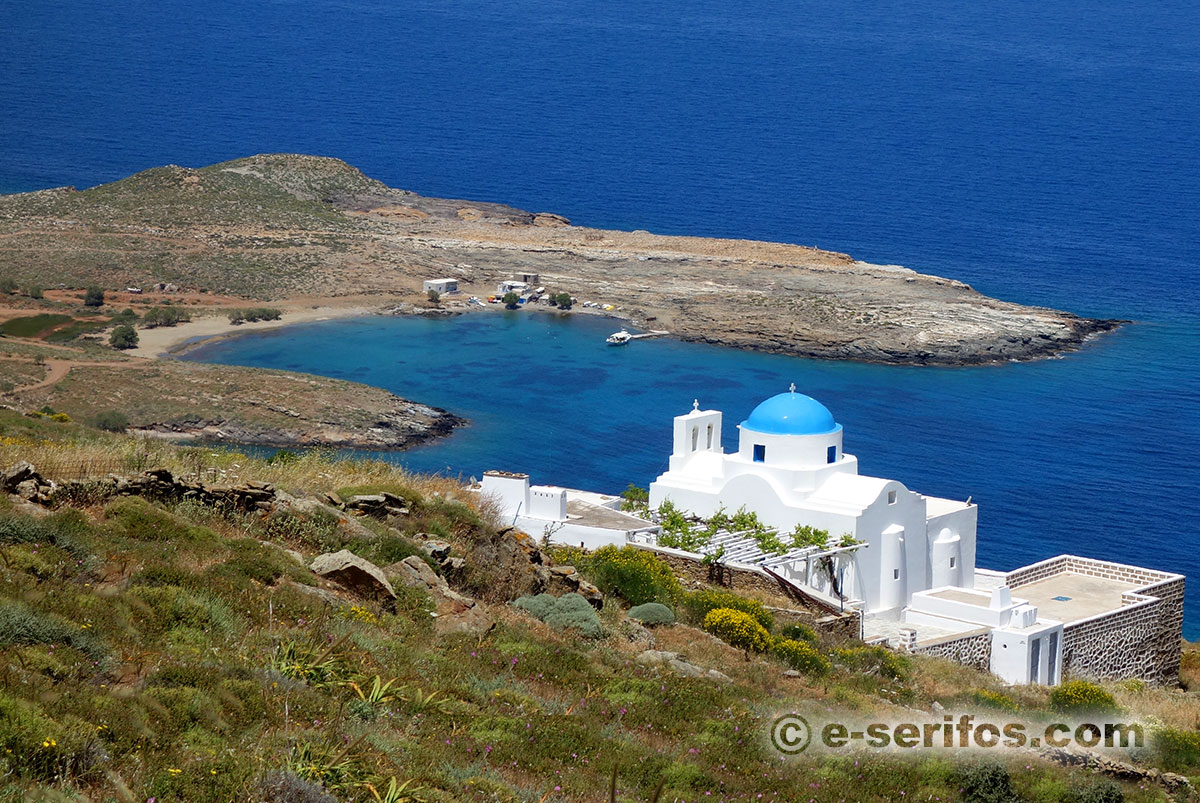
(1044, 153)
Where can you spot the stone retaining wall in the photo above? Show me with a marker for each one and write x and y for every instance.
(972, 649)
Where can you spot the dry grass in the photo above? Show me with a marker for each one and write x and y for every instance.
(67, 452)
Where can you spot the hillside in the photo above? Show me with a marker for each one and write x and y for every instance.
(102, 387)
(286, 226)
(181, 631)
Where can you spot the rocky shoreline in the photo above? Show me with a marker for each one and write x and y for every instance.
(292, 228)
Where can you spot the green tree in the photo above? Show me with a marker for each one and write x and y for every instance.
(123, 337)
(33, 291)
(93, 297)
(111, 421)
(511, 300)
(7, 285)
(434, 296)
(564, 300)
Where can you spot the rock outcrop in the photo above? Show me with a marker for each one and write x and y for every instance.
(453, 612)
(356, 574)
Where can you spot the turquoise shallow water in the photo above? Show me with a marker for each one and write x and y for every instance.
(1066, 455)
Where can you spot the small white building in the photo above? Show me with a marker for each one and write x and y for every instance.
(511, 286)
(440, 286)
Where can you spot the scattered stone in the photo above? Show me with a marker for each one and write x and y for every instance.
(356, 574)
(672, 661)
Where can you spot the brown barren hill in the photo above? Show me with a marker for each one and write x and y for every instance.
(278, 227)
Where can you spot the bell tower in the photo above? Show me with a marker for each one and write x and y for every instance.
(696, 432)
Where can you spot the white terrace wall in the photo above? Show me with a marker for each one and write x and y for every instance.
(1140, 639)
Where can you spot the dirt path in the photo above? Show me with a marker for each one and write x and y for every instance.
(58, 370)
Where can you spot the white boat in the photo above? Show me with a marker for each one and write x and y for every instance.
(618, 338)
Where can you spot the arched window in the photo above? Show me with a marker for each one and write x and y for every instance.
(710, 436)
(695, 437)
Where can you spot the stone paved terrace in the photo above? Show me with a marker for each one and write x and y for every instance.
(875, 628)
(589, 515)
(1087, 596)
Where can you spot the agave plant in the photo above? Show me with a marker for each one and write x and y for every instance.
(394, 793)
(378, 693)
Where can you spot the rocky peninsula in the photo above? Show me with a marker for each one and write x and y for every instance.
(310, 229)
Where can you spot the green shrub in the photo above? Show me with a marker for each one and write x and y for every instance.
(172, 607)
(259, 562)
(392, 548)
(33, 291)
(1176, 750)
(123, 337)
(111, 421)
(994, 699)
(874, 659)
(987, 783)
(7, 285)
(1081, 696)
(799, 632)
(698, 603)
(800, 655)
(1100, 792)
(652, 613)
(738, 629)
(569, 610)
(635, 575)
(36, 746)
(21, 625)
(574, 611)
(66, 529)
(538, 607)
(140, 520)
(93, 297)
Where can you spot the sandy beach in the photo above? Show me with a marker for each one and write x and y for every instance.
(166, 340)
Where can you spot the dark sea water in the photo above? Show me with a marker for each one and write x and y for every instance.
(1044, 153)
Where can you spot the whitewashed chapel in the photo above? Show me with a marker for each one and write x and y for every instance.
(902, 561)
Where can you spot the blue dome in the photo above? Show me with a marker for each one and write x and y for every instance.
(791, 414)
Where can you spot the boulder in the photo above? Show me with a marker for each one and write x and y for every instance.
(354, 573)
(16, 474)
